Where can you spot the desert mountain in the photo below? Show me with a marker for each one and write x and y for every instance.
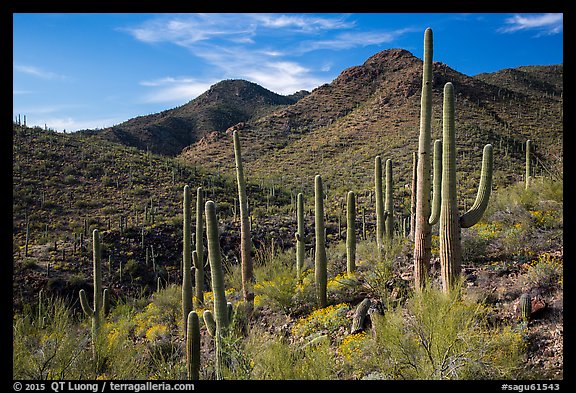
(369, 109)
(226, 103)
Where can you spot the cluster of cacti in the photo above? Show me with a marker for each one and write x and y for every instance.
(450, 220)
(320, 263)
(245, 237)
(101, 298)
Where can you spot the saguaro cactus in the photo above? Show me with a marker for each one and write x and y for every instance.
(300, 237)
(245, 238)
(389, 201)
(186, 261)
(423, 230)
(217, 322)
(528, 163)
(193, 346)
(198, 255)
(101, 298)
(450, 221)
(351, 232)
(320, 263)
(380, 213)
(525, 306)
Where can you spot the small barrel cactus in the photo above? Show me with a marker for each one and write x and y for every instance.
(525, 306)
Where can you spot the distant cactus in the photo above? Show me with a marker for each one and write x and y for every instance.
(198, 255)
(351, 232)
(320, 263)
(423, 230)
(186, 261)
(300, 237)
(528, 163)
(193, 346)
(101, 298)
(450, 221)
(245, 237)
(525, 307)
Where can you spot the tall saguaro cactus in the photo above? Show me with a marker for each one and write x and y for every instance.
(320, 263)
(351, 232)
(300, 237)
(218, 321)
(423, 230)
(101, 298)
(389, 201)
(245, 238)
(380, 212)
(198, 256)
(186, 261)
(528, 163)
(450, 220)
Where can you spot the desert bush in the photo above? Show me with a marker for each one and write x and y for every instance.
(440, 336)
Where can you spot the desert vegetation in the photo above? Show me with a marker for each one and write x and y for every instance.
(132, 265)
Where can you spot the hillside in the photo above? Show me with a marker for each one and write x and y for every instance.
(374, 108)
(226, 103)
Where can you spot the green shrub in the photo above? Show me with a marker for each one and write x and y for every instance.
(440, 336)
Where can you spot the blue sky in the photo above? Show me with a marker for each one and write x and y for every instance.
(77, 71)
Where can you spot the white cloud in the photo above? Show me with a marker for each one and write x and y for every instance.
(37, 72)
(176, 90)
(546, 23)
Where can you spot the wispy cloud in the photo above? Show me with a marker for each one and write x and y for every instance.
(267, 49)
(545, 24)
(38, 72)
(170, 89)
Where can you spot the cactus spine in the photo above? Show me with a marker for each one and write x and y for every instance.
(450, 221)
(351, 232)
(389, 201)
(300, 238)
(193, 346)
(198, 255)
(186, 260)
(101, 298)
(423, 230)
(528, 163)
(245, 238)
(217, 323)
(320, 264)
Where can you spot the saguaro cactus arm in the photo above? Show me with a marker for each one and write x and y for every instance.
(474, 214)
(437, 185)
